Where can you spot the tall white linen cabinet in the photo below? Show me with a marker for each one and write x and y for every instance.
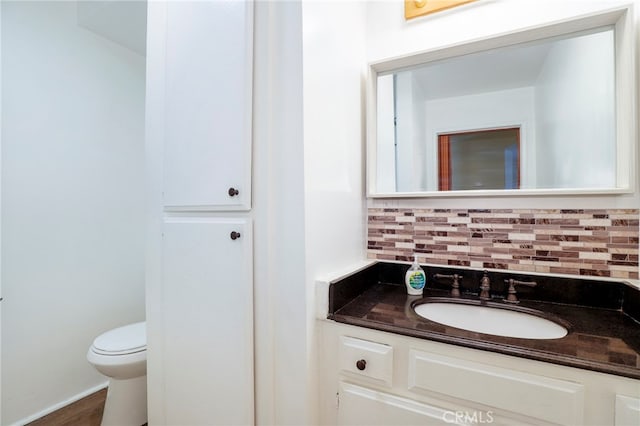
(199, 262)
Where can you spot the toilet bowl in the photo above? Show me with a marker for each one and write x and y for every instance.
(121, 355)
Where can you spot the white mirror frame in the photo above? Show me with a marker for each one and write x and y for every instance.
(621, 17)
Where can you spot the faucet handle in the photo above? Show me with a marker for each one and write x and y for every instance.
(511, 293)
(455, 285)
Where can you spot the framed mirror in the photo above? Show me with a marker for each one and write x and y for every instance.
(543, 111)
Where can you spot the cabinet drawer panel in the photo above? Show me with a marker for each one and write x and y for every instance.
(362, 406)
(627, 411)
(544, 398)
(378, 359)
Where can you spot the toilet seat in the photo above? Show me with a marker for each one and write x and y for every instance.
(125, 340)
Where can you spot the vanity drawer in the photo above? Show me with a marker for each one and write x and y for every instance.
(366, 359)
(543, 398)
(627, 410)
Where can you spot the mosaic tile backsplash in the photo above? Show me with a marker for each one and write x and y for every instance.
(577, 242)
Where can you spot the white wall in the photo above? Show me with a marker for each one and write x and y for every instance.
(566, 95)
(409, 146)
(333, 87)
(154, 160)
(385, 135)
(419, 135)
(72, 201)
(0, 215)
(278, 208)
(390, 36)
(408, 176)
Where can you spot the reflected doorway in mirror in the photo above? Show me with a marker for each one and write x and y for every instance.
(479, 160)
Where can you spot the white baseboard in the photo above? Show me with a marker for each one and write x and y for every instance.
(60, 405)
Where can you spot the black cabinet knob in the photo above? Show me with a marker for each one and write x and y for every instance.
(361, 364)
(234, 235)
(233, 192)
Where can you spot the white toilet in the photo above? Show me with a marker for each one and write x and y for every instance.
(121, 355)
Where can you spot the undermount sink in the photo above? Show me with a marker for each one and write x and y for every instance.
(492, 319)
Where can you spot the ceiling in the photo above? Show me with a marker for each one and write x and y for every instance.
(493, 70)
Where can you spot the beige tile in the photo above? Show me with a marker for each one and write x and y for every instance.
(592, 255)
(459, 249)
(521, 267)
(521, 237)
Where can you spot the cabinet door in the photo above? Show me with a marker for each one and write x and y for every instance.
(543, 399)
(208, 321)
(363, 406)
(627, 411)
(208, 99)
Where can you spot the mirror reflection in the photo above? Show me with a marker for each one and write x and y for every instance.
(539, 115)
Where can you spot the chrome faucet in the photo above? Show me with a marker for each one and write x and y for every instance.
(485, 287)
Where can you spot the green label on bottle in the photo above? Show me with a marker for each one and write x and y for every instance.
(417, 280)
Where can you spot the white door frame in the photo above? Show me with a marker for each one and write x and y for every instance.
(0, 208)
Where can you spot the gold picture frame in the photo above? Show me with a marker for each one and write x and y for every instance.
(415, 8)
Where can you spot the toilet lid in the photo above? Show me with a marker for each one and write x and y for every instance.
(122, 340)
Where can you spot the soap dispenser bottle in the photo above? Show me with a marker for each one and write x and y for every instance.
(415, 278)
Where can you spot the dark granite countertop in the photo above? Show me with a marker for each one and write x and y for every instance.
(604, 332)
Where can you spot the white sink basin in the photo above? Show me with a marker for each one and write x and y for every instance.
(496, 321)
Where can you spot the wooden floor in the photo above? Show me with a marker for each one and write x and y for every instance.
(85, 412)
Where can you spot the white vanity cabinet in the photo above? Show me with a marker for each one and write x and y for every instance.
(208, 321)
(208, 103)
(627, 410)
(432, 383)
(200, 247)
